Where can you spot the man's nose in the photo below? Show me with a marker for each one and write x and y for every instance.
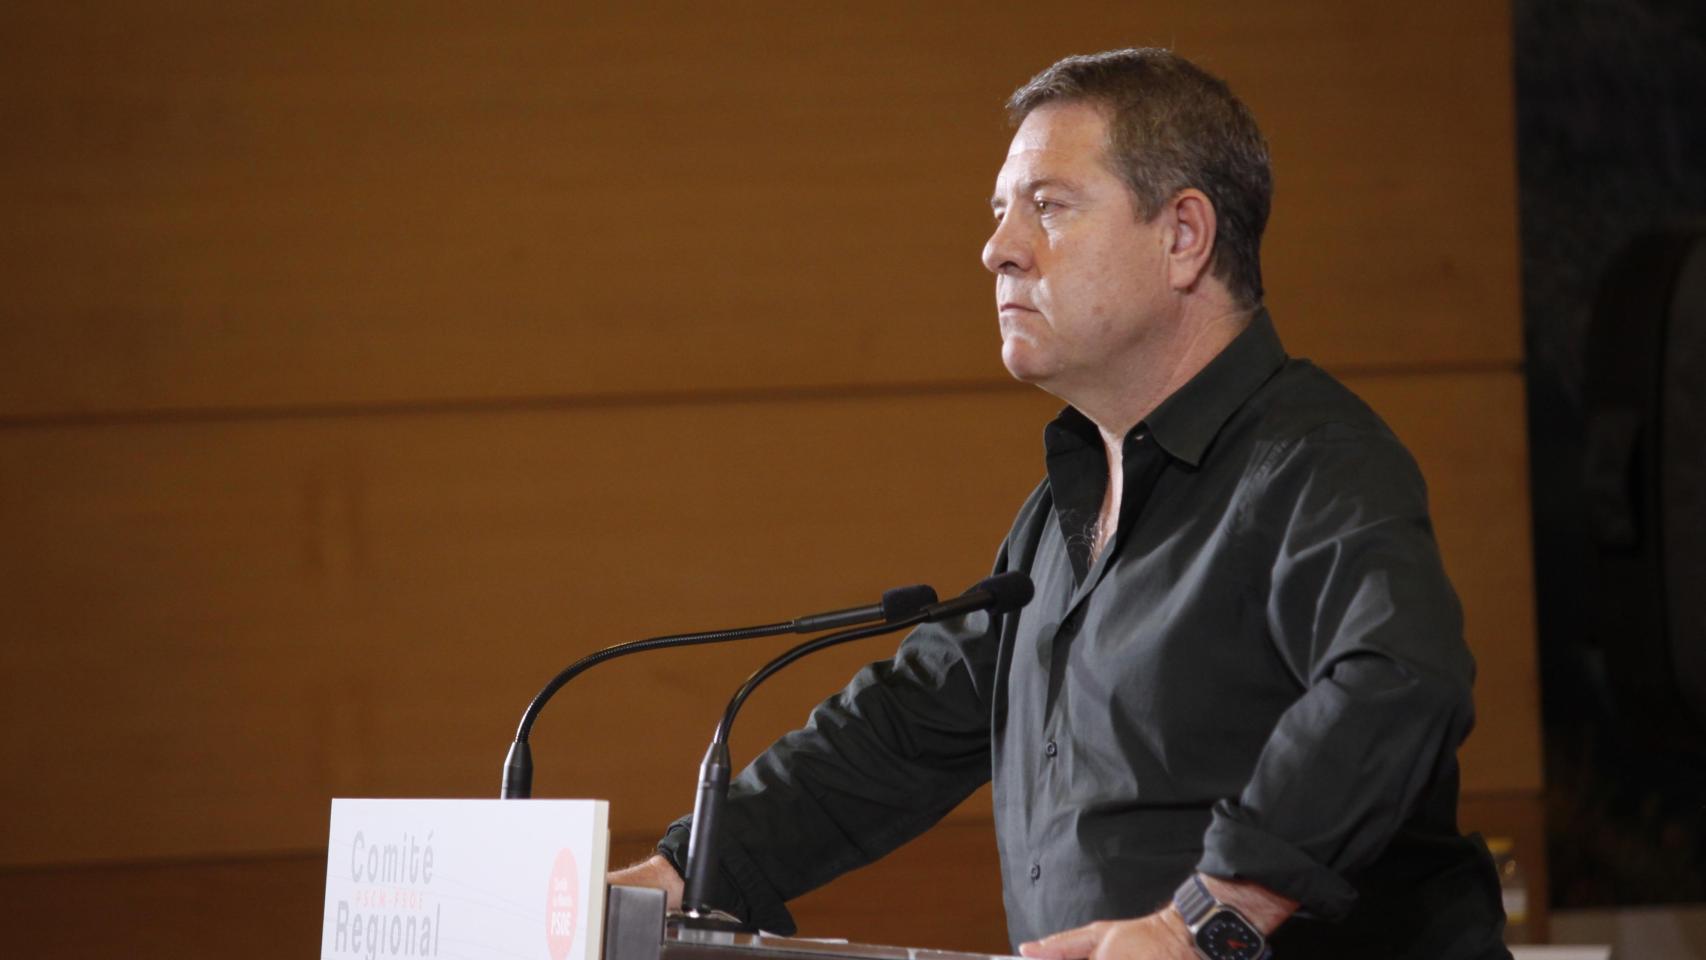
(1006, 251)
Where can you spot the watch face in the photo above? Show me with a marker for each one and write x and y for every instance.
(1227, 937)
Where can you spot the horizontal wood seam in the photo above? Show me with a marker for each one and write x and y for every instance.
(640, 399)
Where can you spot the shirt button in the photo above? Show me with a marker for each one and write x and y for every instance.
(1050, 749)
(1036, 870)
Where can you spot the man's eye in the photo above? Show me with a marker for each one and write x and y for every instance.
(1045, 206)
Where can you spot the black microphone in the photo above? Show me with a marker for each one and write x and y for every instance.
(1000, 594)
(899, 603)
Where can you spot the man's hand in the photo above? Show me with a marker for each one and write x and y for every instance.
(1162, 935)
(656, 872)
(1159, 936)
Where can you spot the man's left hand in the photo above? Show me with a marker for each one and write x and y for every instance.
(1162, 935)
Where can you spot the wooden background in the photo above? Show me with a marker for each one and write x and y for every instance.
(360, 365)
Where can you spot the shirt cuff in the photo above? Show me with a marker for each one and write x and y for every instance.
(1234, 849)
(740, 886)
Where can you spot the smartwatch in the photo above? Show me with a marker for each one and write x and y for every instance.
(1218, 931)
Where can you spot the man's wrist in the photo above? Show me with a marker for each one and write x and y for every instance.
(1265, 909)
(1175, 923)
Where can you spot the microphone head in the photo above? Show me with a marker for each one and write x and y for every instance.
(1008, 591)
(903, 602)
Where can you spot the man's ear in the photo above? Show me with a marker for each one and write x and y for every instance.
(1193, 232)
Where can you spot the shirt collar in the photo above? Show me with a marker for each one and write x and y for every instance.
(1187, 421)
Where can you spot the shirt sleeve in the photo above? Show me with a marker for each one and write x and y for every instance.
(1363, 616)
(875, 766)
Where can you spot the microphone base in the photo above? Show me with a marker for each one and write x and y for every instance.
(704, 925)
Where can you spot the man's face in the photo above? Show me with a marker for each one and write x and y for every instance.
(1080, 279)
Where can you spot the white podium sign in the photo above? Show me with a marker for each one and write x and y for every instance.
(466, 878)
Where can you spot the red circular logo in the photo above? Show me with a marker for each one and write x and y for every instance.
(562, 905)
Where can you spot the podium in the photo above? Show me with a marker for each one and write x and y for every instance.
(636, 927)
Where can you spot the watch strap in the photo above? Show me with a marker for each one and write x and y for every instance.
(1193, 901)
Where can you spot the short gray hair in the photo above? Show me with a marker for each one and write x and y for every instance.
(1173, 125)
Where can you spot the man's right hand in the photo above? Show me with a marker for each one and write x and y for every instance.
(657, 873)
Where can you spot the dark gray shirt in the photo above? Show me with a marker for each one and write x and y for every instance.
(1262, 676)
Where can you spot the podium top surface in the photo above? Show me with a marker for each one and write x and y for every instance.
(718, 945)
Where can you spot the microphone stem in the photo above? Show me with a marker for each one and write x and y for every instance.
(712, 794)
(708, 802)
(518, 765)
(809, 647)
(636, 646)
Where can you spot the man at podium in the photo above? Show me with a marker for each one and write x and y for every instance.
(1227, 724)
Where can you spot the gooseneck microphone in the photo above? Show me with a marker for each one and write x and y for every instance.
(896, 604)
(1002, 593)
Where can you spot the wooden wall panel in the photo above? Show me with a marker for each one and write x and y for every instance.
(363, 605)
(261, 908)
(1467, 432)
(213, 209)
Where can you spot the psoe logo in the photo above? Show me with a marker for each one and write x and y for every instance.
(562, 905)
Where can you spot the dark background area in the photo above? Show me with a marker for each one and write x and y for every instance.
(1611, 141)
